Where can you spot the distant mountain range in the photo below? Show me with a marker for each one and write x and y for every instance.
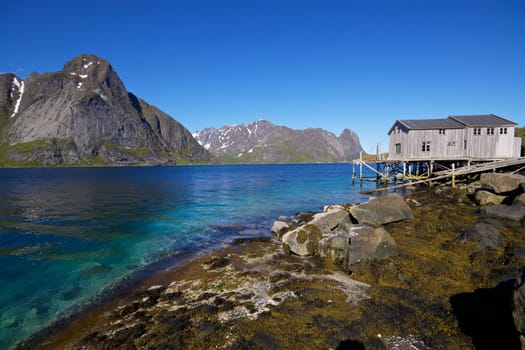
(83, 115)
(264, 142)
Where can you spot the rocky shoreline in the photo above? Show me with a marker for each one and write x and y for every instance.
(436, 269)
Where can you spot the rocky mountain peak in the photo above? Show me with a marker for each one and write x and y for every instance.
(93, 72)
(84, 115)
(263, 142)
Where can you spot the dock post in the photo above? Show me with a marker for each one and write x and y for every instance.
(361, 166)
(353, 172)
(453, 175)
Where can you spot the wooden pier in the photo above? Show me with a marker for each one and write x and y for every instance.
(415, 172)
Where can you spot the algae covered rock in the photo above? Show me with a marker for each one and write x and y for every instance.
(503, 211)
(335, 250)
(332, 221)
(486, 198)
(279, 228)
(368, 243)
(502, 182)
(486, 235)
(382, 210)
(303, 241)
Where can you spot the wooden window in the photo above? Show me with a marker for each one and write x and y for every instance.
(477, 131)
(451, 144)
(398, 148)
(442, 131)
(464, 144)
(503, 131)
(490, 131)
(425, 146)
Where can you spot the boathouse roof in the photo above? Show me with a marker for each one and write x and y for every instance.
(482, 120)
(453, 122)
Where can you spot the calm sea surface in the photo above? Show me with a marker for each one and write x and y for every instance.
(67, 235)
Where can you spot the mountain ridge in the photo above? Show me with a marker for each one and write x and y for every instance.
(263, 142)
(84, 115)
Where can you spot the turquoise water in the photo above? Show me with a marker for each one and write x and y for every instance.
(68, 235)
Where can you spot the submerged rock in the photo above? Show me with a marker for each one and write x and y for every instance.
(382, 210)
(502, 182)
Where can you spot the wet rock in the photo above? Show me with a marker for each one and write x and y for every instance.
(382, 210)
(486, 235)
(503, 211)
(486, 198)
(303, 241)
(279, 228)
(217, 263)
(367, 243)
(502, 182)
(333, 221)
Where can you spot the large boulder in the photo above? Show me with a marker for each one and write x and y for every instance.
(518, 310)
(368, 243)
(382, 210)
(303, 241)
(503, 211)
(334, 249)
(486, 198)
(485, 234)
(502, 182)
(332, 221)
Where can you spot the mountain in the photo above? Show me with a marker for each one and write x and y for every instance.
(264, 142)
(83, 115)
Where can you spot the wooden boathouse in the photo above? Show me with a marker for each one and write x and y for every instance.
(456, 138)
(420, 148)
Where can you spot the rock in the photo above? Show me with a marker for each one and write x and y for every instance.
(503, 211)
(370, 244)
(486, 235)
(518, 310)
(333, 221)
(408, 343)
(303, 241)
(502, 182)
(486, 197)
(382, 210)
(335, 250)
(519, 201)
(279, 228)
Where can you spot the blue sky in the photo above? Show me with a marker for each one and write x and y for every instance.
(304, 63)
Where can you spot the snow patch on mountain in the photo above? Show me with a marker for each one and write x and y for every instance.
(20, 86)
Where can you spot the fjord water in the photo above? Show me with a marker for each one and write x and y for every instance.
(69, 234)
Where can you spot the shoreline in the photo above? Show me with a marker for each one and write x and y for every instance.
(410, 299)
(124, 290)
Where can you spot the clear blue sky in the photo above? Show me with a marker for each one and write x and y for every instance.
(303, 63)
